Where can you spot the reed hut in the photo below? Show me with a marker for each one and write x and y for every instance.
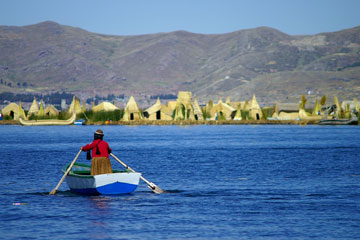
(171, 105)
(255, 110)
(34, 108)
(75, 106)
(317, 108)
(238, 113)
(183, 108)
(158, 112)
(105, 106)
(187, 107)
(51, 111)
(222, 110)
(14, 111)
(286, 111)
(132, 111)
(198, 114)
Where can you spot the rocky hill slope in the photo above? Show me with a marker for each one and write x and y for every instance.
(49, 57)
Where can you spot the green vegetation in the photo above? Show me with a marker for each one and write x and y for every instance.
(267, 112)
(101, 116)
(7, 117)
(245, 115)
(206, 115)
(61, 116)
(221, 116)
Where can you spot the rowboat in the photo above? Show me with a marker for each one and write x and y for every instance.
(80, 181)
(47, 121)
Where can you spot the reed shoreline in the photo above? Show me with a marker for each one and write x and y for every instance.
(188, 122)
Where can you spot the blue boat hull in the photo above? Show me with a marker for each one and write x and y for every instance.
(114, 188)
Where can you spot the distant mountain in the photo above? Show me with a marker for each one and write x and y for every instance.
(49, 57)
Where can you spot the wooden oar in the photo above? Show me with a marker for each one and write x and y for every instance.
(151, 185)
(66, 173)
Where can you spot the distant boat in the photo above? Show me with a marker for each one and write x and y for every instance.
(351, 121)
(47, 121)
(79, 122)
(80, 181)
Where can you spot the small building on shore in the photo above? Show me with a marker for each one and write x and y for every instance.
(51, 111)
(132, 111)
(221, 111)
(105, 106)
(286, 111)
(158, 112)
(14, 111)
(238, 115)
(183, 108)
(187, 107)
(75, 106)
(255, 110)
(34, 108)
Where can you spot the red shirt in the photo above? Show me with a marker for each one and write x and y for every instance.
(103, 148)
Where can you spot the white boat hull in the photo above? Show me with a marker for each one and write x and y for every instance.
(80, 181)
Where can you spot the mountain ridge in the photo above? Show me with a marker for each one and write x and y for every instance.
(48, 57)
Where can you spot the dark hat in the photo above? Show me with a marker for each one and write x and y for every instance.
(99, 132)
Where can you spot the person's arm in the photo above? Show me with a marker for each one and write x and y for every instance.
(109, 149)
(88, 147)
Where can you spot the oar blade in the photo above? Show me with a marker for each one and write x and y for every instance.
(151, 185)
(52, 192)
(155, 188)
(66, 173)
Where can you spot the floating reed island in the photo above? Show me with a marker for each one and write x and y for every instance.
(187, 111)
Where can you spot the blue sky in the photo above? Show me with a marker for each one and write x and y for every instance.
(133, 17)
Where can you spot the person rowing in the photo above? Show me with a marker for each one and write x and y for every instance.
(100, 163)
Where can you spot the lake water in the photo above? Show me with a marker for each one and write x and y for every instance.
(222, 182)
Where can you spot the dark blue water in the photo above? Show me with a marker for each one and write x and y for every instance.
(223, 182)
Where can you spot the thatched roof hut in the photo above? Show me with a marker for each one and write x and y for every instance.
(14, 111)
(238, 113)
(198, 114)
(75, 106)
(183, 108)
(132, 111)
(222, 110)
(105, 106)
(171, 105)
(255, 110)
(34, 108)
(51, 111)
(158, 112)
(187, 107)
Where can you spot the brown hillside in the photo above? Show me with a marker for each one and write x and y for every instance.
(275, 66)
